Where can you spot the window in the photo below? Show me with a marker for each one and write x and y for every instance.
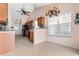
(60, 25)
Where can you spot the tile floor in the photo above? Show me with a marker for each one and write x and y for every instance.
(25, 48)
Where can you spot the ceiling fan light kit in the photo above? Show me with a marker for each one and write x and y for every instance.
(25, 12)
(26, 9)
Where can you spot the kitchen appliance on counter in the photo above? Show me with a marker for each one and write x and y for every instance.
(2, 28)
(3, 25)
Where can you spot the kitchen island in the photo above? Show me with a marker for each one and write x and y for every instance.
(37, 35)
(7, 41)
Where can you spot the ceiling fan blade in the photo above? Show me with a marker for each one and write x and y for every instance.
(27, 12)
(21, 13)
(18, 11)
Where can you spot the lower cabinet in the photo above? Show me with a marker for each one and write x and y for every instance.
(31, 38)
(7, 41)
(30, 35)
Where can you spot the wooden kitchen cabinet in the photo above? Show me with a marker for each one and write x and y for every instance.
(29, 23)
(30, 35)
(27, 34)
(3, 12)
(41, 21)
(31, 38)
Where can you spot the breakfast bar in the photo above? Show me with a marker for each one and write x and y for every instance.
(7, 41)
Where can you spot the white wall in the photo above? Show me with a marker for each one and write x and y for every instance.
(14, 16)
(74, 40)
(69, 7)
(70, 42)
(9, 18)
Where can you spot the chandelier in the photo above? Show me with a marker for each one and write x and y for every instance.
(53, 11)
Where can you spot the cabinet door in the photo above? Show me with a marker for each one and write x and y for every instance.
(41, 21)
(3, 11)
(31, 36)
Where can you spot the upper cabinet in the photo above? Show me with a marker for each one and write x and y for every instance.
(41, 21)
(29, 23)
(3, 12)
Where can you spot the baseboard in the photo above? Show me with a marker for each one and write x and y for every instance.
(63, 45)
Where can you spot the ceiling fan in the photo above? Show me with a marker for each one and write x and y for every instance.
(23, 11)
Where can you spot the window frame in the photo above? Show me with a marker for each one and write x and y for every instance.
(58, 27)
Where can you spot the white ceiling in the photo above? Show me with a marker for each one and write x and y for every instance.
(20, 5)
(41, 4)
(27, 6)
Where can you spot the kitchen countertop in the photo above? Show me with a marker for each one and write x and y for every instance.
(32, 29)
(6, 31)
(7, 41)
